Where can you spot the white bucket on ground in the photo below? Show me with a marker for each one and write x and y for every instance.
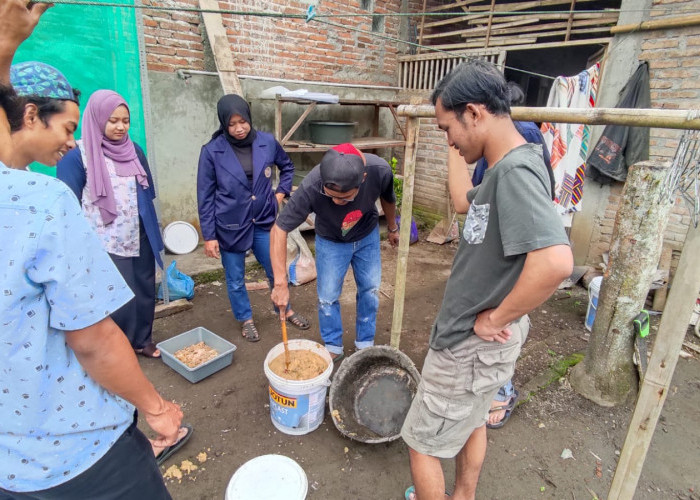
(272, 477)
(593, 292)
(297, 406)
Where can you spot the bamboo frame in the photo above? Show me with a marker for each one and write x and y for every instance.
(659, 118)
(660, 24)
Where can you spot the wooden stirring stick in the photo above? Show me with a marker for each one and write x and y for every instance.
(286, 347)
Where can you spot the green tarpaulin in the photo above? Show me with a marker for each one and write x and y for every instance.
(96, 48)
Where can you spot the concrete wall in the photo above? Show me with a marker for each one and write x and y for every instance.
(184, 117)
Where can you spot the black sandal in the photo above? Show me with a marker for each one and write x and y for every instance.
(299, 321)
(249, 332)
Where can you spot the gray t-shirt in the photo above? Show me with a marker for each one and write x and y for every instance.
(511, 214)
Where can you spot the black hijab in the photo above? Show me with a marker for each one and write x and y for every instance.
(229, 105)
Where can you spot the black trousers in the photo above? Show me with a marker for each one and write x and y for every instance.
(135, 317)
(128, 471)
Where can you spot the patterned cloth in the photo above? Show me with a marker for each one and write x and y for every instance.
(121, 236)
(36, 78)
(568, 142)
(56, 420)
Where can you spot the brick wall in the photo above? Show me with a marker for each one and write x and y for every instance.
(280, 48)
(674, 70)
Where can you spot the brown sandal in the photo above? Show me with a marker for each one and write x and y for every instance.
(299, 321)
(149, 351)
(249, 332)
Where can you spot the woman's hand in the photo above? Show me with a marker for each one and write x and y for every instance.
(211, 249)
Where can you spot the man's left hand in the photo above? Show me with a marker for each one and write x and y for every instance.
(279, 197)
(487, 330)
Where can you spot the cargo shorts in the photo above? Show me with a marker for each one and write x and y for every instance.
(456, 389)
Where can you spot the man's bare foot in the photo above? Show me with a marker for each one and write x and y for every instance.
(495, 416)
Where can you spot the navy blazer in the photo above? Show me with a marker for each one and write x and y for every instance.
(70, 169)
(229, 209)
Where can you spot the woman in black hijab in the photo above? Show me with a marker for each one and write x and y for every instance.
(237, 206)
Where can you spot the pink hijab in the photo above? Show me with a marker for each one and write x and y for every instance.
(99, 108)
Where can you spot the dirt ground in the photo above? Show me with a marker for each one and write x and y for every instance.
(230, 410)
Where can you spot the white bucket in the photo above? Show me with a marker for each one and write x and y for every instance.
(272, 477)
(297, 406)
(593, 292)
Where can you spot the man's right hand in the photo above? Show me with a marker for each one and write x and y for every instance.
(211, 249)
(165, 422)
(280, 297)
(18, 18)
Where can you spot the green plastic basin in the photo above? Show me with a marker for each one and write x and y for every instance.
(328, 132)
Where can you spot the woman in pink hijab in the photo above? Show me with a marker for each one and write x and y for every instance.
(110, 176)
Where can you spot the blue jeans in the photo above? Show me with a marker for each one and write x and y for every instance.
(505, 393)
(332, 262)
(234, 268)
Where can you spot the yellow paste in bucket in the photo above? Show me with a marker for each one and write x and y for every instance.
(303, 365)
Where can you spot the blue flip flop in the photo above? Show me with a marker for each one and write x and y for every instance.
(411, 490)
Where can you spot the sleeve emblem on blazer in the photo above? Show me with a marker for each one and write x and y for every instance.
(268, 172)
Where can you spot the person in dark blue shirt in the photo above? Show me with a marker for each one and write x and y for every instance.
(504, 402)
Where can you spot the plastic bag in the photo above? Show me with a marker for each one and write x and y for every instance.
(300, 261)
(180, 286)
(414, 230)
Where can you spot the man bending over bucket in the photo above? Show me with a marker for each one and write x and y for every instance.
(512, 255)
(342, 191)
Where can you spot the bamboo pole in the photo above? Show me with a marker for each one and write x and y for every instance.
(657, 380)
(658, 118)
(660, 24)
(409, 171)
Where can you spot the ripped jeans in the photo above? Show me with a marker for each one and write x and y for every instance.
(332, 262)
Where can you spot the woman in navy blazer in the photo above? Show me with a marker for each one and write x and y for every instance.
(237, 206)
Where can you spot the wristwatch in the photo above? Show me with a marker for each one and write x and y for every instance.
(393, 230)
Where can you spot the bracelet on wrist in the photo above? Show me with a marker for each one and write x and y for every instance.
(393, 230)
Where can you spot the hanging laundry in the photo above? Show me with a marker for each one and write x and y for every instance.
(621, 146)
(568, 142)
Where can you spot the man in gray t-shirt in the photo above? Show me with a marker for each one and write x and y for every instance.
(513, 254)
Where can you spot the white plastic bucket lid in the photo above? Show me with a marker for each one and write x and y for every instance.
(180, 237)
(268, 477)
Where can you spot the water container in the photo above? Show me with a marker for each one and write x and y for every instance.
(593, 292)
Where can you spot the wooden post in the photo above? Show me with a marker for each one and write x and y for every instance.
(488, 26)
(409, 171)
(661, 294)
(607, 375)
(674, 324)
(220, 46)
(570, 21)
(422, 26)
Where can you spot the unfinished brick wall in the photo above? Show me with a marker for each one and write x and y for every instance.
(674, 71)
(281, 48)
